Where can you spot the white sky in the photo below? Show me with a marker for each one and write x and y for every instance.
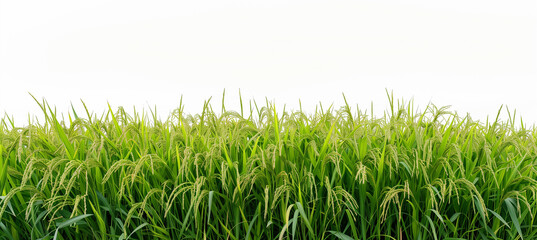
(473, 55)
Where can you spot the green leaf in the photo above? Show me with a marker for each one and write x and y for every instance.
(499, 217)
(6, 232)
(512, 213)
(73, 220)
(138, 228)
(433, 228)
(185, 221)
(211, 194)
(341, 235)
(454, 217)
(480, 210)
(305, 218)
(251, 225)
(295, 220)
(438, 215)
(63, 137)
(69, 222)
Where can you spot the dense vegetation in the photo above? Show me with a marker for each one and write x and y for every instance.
(338, 173)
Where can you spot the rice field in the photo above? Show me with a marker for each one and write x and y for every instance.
(267, 173)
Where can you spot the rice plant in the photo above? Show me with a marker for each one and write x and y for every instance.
(263, 173)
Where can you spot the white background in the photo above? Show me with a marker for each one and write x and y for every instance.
(473, 55)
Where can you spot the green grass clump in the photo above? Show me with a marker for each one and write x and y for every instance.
(335, 174)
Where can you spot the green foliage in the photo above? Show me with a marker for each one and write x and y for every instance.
(266, 174)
